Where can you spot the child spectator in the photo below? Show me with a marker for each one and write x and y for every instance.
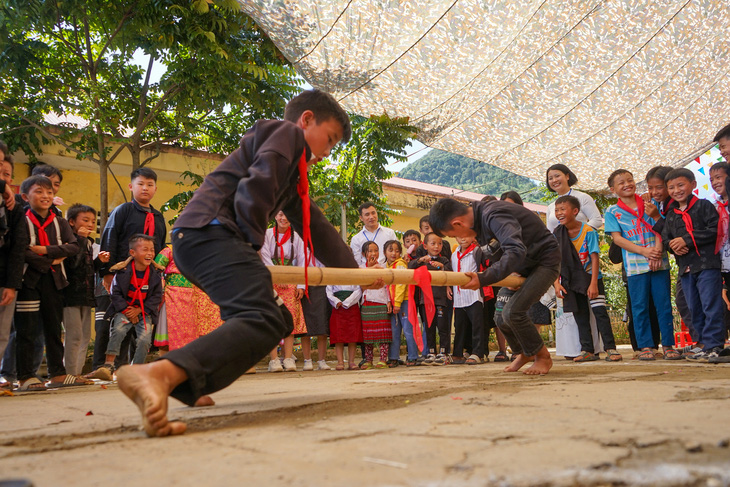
(282, 246)
(645, 262)
(345, 323)
(79, 294)
(690, 233)
(56, 177)
(374, 312)
(136, 295)
(719, 173)
(411, 243)
(468, 306)
(435, 260)
(41, 298)
(317, 312)
(580, 283)
(399, 318)
(425, 228)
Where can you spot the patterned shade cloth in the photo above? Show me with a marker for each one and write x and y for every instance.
(596, 85)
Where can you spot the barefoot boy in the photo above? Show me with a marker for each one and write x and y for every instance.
(529, 249)
(216, 240)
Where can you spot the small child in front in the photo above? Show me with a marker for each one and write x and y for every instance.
(580, 267)
(645, 262)
(399, 323)
(345, 323)
(136, 294)
(375, 313)
(468, 307)
(690, 233)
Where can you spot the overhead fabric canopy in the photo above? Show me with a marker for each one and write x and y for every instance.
(522, 85)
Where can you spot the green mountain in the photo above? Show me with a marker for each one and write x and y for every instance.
(455, 171)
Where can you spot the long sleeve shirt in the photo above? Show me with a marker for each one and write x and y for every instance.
(589, 212)
(704, 220)
(379, 236)
(351, 300)
(13, 247)
(464, 298)
(62, 244)
(293, 250)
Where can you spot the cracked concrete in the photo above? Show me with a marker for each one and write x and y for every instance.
(589, 424)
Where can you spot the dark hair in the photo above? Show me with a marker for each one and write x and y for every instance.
(488, 198)
(46, 170)
(617, 172)
(408, 233)
(571, 200)
(143, 172)
(323, 105)
(724, 132)
(514, 196)
(443, 211)
(31, 181)
(10, 160)
(78, 208)
(366, 246)
(138, 237)
(423, 219)
(365, 206)
(572, 178)
(659, 172)
(721, 166)
(426, 238)
(681, 172)
(390, 243)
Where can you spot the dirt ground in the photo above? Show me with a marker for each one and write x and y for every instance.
(661, 423)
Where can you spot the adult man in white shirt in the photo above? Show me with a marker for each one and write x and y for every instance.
(372, 232)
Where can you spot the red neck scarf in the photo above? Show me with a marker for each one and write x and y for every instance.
(149, 224)
(423, 280)
(280, 243)
(687, 219)
(641, 223)
(42, 235)
(137, 294)
(303, 190)
(460, 256)
(722, 225)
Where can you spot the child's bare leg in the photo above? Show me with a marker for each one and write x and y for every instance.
(321, 347)
(351, 353)
(340, 352)
(274, 354)
(288, 346)
(307, 348)
(543, 363)
(204, 401)
(149, 386)
(501, 342)
(520, 360)
(109, 359)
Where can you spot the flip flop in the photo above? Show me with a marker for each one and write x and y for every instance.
(70, 381)
(32, 385)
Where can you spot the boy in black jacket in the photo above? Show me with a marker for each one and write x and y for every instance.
(435, 261)
(528, 249)
(216, 239)
(690, 233)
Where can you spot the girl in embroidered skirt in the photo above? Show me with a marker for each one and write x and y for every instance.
(375, 312)
(282, 246)
(399, 316)
(345, 323)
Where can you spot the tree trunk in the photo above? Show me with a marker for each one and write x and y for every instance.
(103, 195)
(136, 153)
(343, 221)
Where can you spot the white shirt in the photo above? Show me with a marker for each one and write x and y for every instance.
(725, 249)
(353, 298)
(464, 298)
(589, 212)
(376, 295)
(293, 249)
(380, 236)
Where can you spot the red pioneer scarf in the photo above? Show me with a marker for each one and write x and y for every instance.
(460, 256)
(641, 223)
(687, 219)
(487, 290)
(42, 235)
(280, 243)
(303, 190)
(722, 225)
(423, 280)
(149, 224)
(137, 294)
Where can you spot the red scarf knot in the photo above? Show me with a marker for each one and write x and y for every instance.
(42, 235)
(687, 219)
(137, 294)
(149, 224)
(641, 223)
(280, 243)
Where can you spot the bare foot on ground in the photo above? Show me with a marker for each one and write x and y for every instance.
(518, 362)
(204, 401)
(148, 386)
(543, 363)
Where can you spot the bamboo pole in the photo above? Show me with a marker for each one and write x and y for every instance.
(319, 276)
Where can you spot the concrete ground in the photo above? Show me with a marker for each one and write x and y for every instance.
(631, 423)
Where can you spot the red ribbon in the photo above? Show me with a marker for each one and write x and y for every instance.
(460, 256)
(423, 280)
(137, 294)
(42, 235)
(149, 224)
(303, 190)
(640, 218)
(687, 219)
(722, 225)
(280, 244)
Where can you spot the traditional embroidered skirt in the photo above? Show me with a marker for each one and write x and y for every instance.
(287, 293)
(345, 324)
(207, 313)
(182, 325)
(375, 323)
(317, 311)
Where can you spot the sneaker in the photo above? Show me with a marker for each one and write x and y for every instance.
(275, 366)
(322, 365)
(290, 365)
(440, 359)
(689, 351)
(430, 359)
(723, 357)
(705, 355)
(103, 373)
(307, 365)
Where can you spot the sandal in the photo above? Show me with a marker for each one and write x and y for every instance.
(458, 360)
(70, 381)
(501, 357)
(381, 365)
(646, 354)
(613, 356)
(411, 363)
(32, 385)
(672, 354)
(393, 363)
(586, 357)
(367, 366)
(474, 360)
(340, 366)
(352, 366)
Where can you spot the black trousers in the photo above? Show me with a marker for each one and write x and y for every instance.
(44, 303)
(441, 325)
(469, 323)
(603, 321)
(232, 274)
(102, 328)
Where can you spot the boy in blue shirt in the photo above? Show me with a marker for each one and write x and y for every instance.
(646, 264)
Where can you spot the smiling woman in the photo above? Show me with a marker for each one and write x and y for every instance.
(560, 179)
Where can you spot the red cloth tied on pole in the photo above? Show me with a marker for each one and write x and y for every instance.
(303, 190)
(722, 225)
(423, 280)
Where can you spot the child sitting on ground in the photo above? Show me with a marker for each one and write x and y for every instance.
(399, 318)
(345, 322)
(580, 283)
(136, 294)
(374, 312)
(468, 307)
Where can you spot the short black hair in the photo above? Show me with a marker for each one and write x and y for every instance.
(139, 237)
(514, 196)
(443, 211)
(721, 166)
(366, 246)
(681, 172)
(617, 172)
(571, 200)
(31, 181)
(46, 170)
(723, 133)
(390, 243)
(658, 172)
(488, 198)
(323, 105)
(428, 236)
(143, 172)
(10, 160)
(422, 220)
(408, 233)
(78, 208)
(572, 178)
(365, 206)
